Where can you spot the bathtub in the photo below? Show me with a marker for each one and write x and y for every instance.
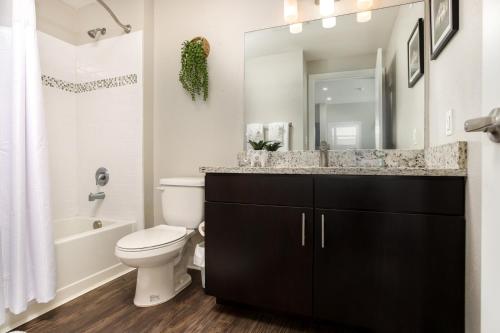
(85, 260)
(93, 249)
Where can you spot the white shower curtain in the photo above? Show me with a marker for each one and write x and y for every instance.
(27, 263)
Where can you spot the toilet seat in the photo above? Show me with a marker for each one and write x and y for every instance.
(153, 238)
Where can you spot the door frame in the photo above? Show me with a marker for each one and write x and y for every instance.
(315, 78)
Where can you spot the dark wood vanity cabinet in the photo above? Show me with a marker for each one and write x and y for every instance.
(383, 253)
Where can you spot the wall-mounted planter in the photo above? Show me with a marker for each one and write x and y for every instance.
(194, 69)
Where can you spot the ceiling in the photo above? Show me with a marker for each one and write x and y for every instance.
(348, 90)
(348, 38)
(77, 4)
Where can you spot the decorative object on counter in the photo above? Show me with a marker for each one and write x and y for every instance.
(323, 154)
(194, 68)
(416, 54)
(258, 156)
(273, 146)
(258, 145)
(444, 17)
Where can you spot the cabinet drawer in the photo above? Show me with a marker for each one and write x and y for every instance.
(421, 195)
(278, 190)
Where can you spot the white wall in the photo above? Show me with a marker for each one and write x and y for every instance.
(490, 264)
(96, 128)
(455, 83)
(274, 90)
(410, 102)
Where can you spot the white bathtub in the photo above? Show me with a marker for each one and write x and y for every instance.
(85, 260)
(82, 252)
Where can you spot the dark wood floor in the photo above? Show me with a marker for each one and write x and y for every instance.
(110, 309)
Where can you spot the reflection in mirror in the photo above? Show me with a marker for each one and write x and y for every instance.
(348, 85)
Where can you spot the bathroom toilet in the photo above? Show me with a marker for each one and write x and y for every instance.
(160, 253)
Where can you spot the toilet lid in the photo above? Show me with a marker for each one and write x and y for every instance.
(152, 238)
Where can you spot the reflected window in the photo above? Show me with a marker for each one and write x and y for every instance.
(345, 135)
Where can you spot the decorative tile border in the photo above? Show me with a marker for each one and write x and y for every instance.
(79, 88)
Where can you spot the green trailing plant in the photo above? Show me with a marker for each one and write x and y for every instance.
(194, 69)
(258, 145)
(273, 146)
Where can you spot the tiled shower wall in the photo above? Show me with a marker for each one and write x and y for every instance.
(93, 99)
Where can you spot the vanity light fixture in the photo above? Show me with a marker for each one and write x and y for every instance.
(326, 7)
(364, 4)
(328, 99)
(363, 17)
(325, 88)
(296, 28)
(290, 11)
(329, 22)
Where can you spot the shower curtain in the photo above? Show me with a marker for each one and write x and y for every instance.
(27, 263)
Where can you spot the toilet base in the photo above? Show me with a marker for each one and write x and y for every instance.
(155, 285)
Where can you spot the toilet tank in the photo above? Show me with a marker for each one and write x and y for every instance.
(183, 201)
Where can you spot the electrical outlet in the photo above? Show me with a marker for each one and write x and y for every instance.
(449, 122)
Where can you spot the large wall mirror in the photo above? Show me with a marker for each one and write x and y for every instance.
(356, 85)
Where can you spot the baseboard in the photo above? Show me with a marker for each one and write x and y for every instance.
(64, 295)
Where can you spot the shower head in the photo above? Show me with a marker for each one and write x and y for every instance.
(94, 32)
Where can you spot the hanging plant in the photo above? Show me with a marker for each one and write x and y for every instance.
(194, 69)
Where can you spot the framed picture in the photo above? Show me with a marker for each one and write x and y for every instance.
(416, 54)
(444, 24)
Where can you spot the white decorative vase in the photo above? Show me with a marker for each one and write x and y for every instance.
(258, 158)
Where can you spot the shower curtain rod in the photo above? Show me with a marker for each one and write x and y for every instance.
(126, 27)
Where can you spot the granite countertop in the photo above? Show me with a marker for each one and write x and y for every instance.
(374, 171)
(445, 160)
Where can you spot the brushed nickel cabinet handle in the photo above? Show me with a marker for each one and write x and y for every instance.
(303, 229)
(322, 231)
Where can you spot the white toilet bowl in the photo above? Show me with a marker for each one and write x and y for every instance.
(157, 253)
(160, 253)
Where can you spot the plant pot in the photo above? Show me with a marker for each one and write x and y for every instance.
(258, 158)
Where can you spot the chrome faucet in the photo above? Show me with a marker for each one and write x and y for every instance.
(323, 154)
(95, 196)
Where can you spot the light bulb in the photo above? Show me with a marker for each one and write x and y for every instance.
(364, 4)
(363, 17)
(290, 11)
(326, 7)
(296, 28)
(329, 22)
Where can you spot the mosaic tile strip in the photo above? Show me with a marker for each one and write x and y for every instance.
(52, 82)
(79, 88)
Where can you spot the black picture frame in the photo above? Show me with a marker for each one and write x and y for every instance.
(415, 71)
(451, 15)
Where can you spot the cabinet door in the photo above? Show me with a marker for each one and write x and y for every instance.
(260, 255)
(390, 272)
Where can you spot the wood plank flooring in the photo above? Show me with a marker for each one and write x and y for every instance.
(110, 309)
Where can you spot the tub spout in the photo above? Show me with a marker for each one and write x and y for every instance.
(95, 196)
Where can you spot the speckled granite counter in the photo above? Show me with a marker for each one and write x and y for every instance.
(445, 160)
(381, 171)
